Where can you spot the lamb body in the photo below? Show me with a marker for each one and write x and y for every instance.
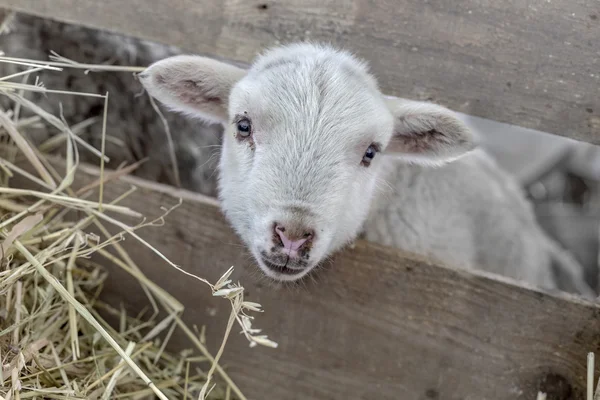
(469, 214)
(301, 174)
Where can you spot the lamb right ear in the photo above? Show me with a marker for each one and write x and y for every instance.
(195, 85)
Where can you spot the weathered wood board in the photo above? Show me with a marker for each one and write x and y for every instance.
(375, 324)
(530, 63)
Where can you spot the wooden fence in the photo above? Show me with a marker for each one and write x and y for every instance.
(379, 323)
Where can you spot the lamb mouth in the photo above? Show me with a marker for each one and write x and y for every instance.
(282, 269)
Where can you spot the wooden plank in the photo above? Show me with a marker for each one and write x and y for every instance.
(534, 63)
(375, 324)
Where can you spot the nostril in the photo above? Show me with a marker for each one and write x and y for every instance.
(279, 236)
(294, 238)
(280, 231)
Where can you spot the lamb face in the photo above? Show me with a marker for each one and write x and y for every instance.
(300, 160)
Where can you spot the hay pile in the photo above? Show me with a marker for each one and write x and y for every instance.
(54, 344)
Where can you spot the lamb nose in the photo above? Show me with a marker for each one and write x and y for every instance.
(293, 239)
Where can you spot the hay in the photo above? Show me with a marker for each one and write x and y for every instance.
(54, 343)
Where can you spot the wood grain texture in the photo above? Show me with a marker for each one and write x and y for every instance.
(374, 324)
(530, 63)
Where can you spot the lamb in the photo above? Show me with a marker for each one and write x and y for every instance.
(314, 155)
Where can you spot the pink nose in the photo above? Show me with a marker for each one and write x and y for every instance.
(293, 241)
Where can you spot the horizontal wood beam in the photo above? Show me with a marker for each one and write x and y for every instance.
(535, 64)
(375, 324)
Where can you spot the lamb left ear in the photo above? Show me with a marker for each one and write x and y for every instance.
(426, 133)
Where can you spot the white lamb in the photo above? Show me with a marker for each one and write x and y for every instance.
(314, 155)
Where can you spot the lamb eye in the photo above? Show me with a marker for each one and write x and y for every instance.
(369, 155)
(244, 127)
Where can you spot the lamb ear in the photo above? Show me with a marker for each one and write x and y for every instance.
(195, 85)
(426, 133)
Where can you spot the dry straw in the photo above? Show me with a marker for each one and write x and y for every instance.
(54, 343)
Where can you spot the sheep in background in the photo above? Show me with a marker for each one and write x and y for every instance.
(135, 128)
